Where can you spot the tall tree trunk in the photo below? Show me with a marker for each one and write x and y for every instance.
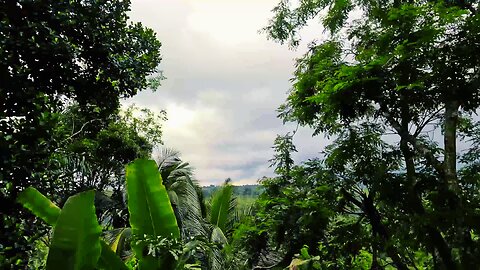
(451, 180)
(417, 206)
(375, 264)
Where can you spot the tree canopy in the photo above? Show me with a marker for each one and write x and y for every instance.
(53, 54)
(385, 76)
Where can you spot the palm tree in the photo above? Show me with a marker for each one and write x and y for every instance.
(211, 222)
(221, 216)
(206, 225)
(184, 191)
(222, 206)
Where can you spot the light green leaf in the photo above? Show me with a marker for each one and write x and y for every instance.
(76, 236)
(222, 207)
(109, 260)
(45, 209)
(39, 205)
(149, 206)
(118, 244)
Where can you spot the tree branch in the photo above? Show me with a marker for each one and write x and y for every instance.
(81, 128)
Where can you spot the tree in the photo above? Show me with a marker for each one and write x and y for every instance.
(405, 67)
(247, 191)
(210, 223)
(282, 159)
(185, 194)
(53, 52)
(93, 155)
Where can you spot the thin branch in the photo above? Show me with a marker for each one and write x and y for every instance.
(81, 129)
(427, 153)
(427, 121)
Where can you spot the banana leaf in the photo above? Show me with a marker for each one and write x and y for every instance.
(39, 205)
(76, 235)
(151, 213)
(46, 210)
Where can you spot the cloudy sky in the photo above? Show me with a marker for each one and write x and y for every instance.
(224, 83)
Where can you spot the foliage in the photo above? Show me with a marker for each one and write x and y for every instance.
(81, 249)
(150, 212)
(94, 157)
(393, 84)
(54, 53)
(287, 216)
(221, 206)
(43, 208)
(154, 231)
(401, 69)
(282, 159)
(184, 192)
(221, 216)
(144, 122)
(305, 261)
(207, 223)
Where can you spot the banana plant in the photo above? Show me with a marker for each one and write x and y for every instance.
(79, 207)
(151, 213)
(76, 242)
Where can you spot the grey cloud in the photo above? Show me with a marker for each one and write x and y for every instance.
(224, 83)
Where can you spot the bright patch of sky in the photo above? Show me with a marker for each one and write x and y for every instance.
(224, 83)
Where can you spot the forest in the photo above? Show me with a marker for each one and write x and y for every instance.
(86, 183)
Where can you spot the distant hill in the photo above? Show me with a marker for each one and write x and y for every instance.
(245, 190)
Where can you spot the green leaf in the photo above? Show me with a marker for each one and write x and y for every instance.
(218, 237)
(148, 203)
(109, 260)
(118, 244)
(150, 210)
(76, 236)
(45, 209)
(39, 205)
(304, 252)
(222, 207)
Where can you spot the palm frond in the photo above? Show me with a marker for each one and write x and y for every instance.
(119, 241)
(222, 208)
(216, 259)
(189, 207)
(166, 155)
(218, 237)
(183, 189)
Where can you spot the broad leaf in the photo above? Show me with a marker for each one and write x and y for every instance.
(118, 243)
(151, 213)
(45, 209)
(76, 236)
(109, 260)
(39, 205)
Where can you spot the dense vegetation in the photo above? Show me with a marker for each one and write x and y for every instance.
(394, 84)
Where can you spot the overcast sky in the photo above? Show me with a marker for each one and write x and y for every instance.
(224, 83)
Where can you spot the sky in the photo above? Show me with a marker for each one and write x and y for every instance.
(224, 83)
